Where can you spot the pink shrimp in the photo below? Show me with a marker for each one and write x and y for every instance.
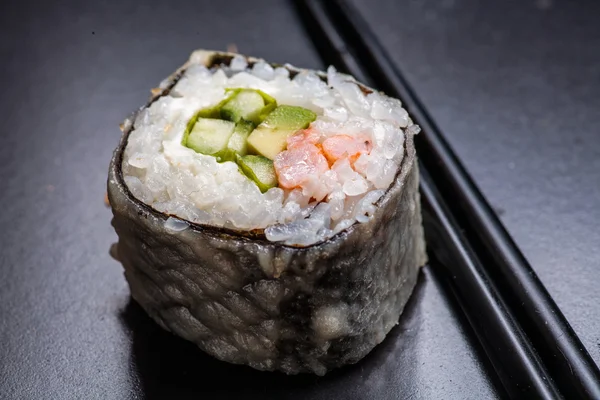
(340, 146)
(302, 137)
(302, 159)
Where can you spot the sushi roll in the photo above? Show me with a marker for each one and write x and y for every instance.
(269, 214)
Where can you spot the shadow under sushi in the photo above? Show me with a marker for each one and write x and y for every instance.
(167, 366)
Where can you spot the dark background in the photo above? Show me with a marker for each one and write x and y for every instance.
(514, 85)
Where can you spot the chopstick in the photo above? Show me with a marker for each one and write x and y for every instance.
(513, 357)
(508, 285)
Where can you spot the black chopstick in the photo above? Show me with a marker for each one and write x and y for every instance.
(536, 312)
(514, 359)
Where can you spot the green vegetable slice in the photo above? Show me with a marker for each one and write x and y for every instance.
(270, 137)
(260, 170)
(210, 136)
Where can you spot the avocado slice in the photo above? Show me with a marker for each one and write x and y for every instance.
(247, 104)
(237, 142)
(270, 137)
(260, 170)
(209, 135)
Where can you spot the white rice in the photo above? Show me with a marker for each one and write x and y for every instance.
(171, 178)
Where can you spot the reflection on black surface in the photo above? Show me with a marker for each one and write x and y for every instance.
(168, 366)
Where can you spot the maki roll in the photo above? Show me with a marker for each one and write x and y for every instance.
(269, 214)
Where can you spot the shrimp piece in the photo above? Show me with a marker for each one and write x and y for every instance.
(341, 146)
(302, 137)
(297, 164)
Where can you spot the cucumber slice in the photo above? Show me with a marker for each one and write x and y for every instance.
(238, 141)
(260, 170)
(270, 137)
(270, 105)
(245, 104)
(210, 136)
(210, 112)
(226, 155)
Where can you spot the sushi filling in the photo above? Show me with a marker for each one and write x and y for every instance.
(248, 148)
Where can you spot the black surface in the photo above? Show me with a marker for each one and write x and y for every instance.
(70, 72)
(514, 85)
(530, 305)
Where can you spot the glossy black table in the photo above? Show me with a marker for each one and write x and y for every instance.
(72, 70)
